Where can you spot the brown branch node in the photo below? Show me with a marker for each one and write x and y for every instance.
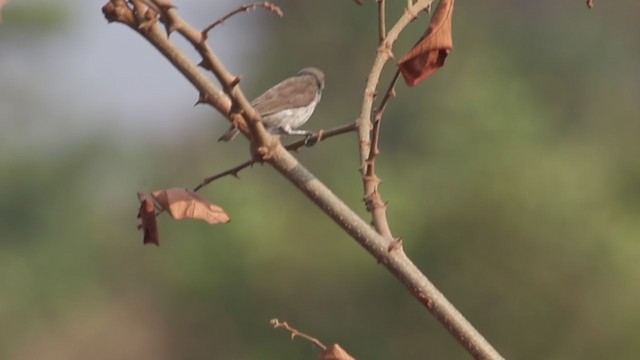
(173, 26)
(371, 94)
(410, 11)
(235, 81)
(119, 11)
(205, 64)
(203, 98)
(395, 246)
(385, 49)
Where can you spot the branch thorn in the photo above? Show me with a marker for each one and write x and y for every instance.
(235, 81)
(203, 98)
(396, 245)
(205, 64)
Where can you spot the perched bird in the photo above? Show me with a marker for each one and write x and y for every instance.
(288, 105)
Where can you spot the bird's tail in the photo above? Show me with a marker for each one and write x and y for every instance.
(230, 134)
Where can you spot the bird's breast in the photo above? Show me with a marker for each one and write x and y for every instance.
(294, 117)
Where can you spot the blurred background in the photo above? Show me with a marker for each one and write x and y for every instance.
(512, 175)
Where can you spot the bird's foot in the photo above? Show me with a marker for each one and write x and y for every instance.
(310, 139)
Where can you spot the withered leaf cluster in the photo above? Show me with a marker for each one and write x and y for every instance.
(180, 204)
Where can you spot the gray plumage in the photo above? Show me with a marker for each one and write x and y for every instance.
(289, 104)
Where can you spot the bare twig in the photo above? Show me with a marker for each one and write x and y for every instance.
(322, 135)
(277, 324)
(382, 27)
(391, 92)
(233, 171)
(244, 8)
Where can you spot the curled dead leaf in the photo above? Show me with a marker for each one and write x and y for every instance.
(147, 216)
(186, 204)
(335, 352)
(429, 54)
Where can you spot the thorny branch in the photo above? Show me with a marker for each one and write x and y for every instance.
(366, 134)
(277, 324)
(231, 102)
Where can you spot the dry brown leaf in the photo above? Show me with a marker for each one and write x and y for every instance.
(430, 52)
(147, 215)
(335, 352)
(186, 204)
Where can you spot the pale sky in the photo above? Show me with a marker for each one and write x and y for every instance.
(93, 76)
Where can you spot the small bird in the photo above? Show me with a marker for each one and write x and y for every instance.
(288, 105)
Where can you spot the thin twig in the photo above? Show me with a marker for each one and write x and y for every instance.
(382, 27)
(320, 136)
(391, 92)
(294, 332)
(244, 8)
(233, 171)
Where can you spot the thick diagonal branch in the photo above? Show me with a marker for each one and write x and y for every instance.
(393, 258)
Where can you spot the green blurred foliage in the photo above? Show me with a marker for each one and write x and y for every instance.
(34, 17)
(511, 175)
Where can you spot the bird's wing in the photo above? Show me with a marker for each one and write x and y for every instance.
(285, 96)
